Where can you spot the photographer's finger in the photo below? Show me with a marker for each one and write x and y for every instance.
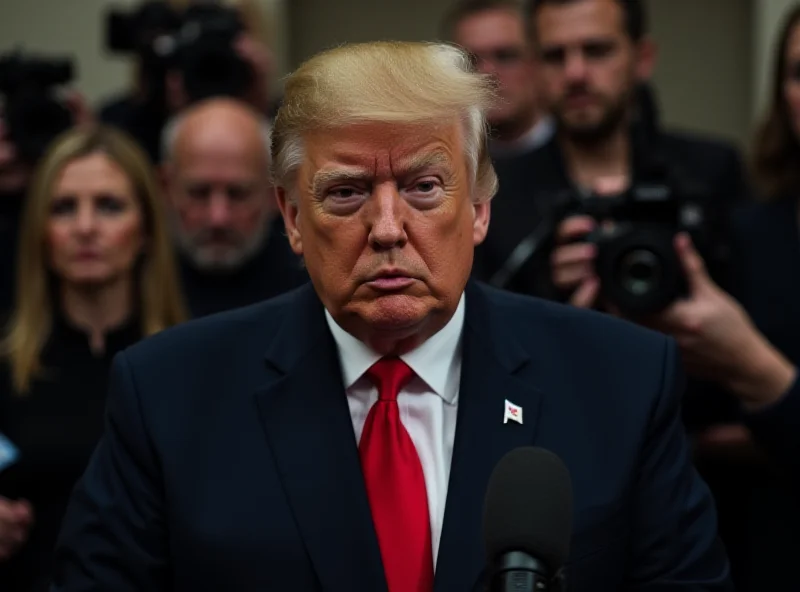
(572, 254)
(574, 228)
(570, 276)
(586, 294)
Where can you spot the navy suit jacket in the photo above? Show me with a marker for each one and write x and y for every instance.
(229, 460)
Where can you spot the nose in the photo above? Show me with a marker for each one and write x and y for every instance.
(387, 226)
(86, 220)
(219, 209)
(575, 67)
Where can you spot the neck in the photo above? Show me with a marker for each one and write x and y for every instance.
(512, 131)
(98, 309)
(589, 162)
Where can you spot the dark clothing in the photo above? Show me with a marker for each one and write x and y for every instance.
(10, 218)
(144, 124)
(769, 254)
(529, 185)
(275, 269)
(762, 528)
(56, 426)
(231, 460)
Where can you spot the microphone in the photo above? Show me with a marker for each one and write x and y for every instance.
(527, 521)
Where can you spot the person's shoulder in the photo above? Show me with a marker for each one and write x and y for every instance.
(207, 338)
(529, 317)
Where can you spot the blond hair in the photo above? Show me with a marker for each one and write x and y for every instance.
(388, 82)
(160, 297)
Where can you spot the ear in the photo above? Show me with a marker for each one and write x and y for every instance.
(480, 221)
(646, 54)
(289, 211)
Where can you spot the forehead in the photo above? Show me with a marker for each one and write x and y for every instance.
(88, 173)
(574, 22)
(216, 147)
(382, 148)
(490, 28)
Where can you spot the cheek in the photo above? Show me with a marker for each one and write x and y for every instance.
(446, 244)
(58, 243)
(126, 237)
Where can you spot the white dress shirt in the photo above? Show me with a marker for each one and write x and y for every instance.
(428, 404)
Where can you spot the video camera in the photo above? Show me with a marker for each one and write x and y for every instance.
(33, 113)
(637, 265)
(198, 43)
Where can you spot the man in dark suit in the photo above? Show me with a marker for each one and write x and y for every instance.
(341, 436)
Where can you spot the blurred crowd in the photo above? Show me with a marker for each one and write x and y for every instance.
(121, 219)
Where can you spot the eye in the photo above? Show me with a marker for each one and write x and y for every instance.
(426, 186)
(63, 206)
(343, 193)
(110, 204)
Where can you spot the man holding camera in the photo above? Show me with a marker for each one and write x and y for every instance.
(595, 62)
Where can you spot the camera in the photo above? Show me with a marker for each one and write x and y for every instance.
(203, 52)
(637, 265)
(198, 43)
(33, 114)
(135, 32)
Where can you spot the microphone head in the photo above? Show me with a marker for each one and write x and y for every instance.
(528, 507)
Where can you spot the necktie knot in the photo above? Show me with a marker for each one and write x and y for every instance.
(390, 375)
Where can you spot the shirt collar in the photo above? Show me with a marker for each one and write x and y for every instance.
(435, 362)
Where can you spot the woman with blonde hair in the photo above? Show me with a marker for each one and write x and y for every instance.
(96, 273)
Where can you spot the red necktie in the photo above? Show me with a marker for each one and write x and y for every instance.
(396, 485)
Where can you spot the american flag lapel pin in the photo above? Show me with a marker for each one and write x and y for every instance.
(512, 413)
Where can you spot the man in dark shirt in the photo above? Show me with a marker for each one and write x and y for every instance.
(232, 244)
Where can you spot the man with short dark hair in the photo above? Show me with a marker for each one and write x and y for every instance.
(596, 61)
(493, 32)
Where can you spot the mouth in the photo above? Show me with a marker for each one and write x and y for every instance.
(390, 281)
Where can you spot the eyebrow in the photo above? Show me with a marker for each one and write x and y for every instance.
(413, 164)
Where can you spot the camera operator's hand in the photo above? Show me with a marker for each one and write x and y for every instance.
(260, 58)
(14, 173)
(16, 518)
(719, 341)
(573, 262)
(82, 113)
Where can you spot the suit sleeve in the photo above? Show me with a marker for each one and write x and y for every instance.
(113, 536)
(674, 544)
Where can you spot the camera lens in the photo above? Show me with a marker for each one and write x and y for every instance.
(639, 272)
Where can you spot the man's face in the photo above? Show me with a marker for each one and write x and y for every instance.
(589, 65)
(386, 224)
(497, 42)
(222, 199)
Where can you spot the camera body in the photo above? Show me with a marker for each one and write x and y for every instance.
(203, 52)
(198, 43)
(33, 113)
(637, 265)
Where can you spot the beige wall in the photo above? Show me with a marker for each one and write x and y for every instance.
(77, 27)
(711, 76)
(703, 78)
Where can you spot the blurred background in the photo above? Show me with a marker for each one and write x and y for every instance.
(711, 77)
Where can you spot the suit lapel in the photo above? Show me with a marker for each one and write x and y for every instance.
(494, 368)
(307, 422)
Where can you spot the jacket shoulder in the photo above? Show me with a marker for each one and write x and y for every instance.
(205, 339)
